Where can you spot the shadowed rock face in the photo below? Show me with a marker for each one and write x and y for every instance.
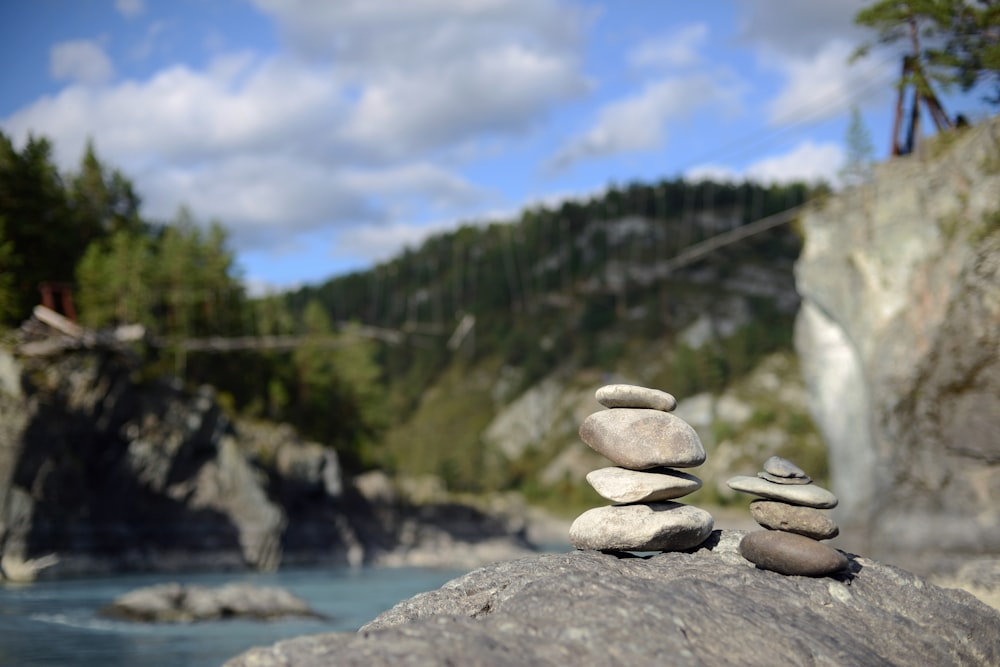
(705, 607)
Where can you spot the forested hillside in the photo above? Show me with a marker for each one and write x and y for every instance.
(575, 287)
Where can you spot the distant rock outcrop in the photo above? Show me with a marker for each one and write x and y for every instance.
(103, 471)
(700, 608)
(898, 335)
(173, 603)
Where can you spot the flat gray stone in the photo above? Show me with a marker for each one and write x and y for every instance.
(662, 526)
(808, 495)
(780, 467)
(641, 438)
(776, 515)
(788, 553)
(784, 480)
(632, 486)
(634, 396)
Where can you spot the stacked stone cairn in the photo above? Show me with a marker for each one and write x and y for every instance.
(646, 442)
(791, 508)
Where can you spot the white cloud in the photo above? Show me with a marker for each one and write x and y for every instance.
(808, 161)
(130, 8)
(503, 91)
(378, 243)
(82, 60)
(679, 49)
(639, 122)
(797, 29)
(827, 85)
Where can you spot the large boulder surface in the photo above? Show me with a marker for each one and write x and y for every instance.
(704, 607)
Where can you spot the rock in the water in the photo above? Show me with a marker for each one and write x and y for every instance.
(621, 485)
(662, 526)
(806, 521)
(634, 396)
(784, 480)
(787, 553)
(173, 603)
(780, 467)
(706, 607)
(640, 438)
(808, 495)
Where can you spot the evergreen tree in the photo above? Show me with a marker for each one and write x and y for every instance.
(857, 167)
(8, 268)
(37, 223)
(949, 41)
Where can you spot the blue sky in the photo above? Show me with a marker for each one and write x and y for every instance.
(328, 134)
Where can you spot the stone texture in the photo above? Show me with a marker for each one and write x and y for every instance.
(174, 603)
(639, 438)
(111, 474)
(704, 608)
(898, 339)
(808, 495)
(780, 467)
(662, 526)
(788, 553)
(807, 521)
(632, 486)
(784, 480)
(634, 396)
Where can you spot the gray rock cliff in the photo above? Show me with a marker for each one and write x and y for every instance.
(102, 471)
(705, 607)
(898, 336)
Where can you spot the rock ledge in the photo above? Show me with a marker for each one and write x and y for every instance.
(708, 606)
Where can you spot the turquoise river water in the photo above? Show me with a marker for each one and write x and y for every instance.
(55, 623)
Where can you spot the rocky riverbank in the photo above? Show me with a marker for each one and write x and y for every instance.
(104, 471)
(707, 606)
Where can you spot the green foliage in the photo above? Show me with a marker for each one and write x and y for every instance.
(857, 167)
(9, 265)
(951, 42)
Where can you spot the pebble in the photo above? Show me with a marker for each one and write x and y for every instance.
(642, 438)
(788, 553)
(808, 495)
(806, 521)
(662, 526)
(780, 467)
(632, 486)
(634, 396)
(784, 480)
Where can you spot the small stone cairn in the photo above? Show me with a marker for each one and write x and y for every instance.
(791, 508)
(646, 442)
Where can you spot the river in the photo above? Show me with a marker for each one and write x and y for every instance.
(56, 623)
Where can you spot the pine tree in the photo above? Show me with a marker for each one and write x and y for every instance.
(949, 42)
(857, 167)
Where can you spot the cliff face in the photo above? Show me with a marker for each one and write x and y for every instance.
(105, 472)
(109, 473)
(898, 336)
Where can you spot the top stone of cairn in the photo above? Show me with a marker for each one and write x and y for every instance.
(634, 396)
(780, 467)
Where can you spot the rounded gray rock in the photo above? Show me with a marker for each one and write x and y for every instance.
(634, 396)
(808, 495)
(641, 438)
(776, 515)
(788, 553)
(620, 485)
(780, 467)
(646, 527)
(784, 480)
